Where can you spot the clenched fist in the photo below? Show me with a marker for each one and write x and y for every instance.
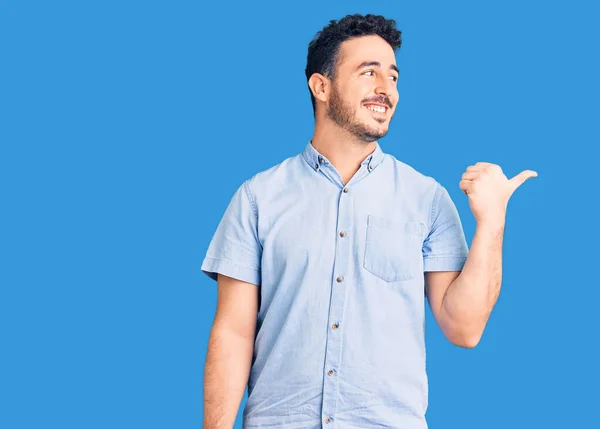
(489, 190)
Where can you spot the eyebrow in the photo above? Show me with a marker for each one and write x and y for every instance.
(376, 64)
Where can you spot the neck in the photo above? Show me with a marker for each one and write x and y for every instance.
(342, 149)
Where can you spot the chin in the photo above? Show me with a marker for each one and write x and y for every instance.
(370, 135)
(368, 130)
(381, 130)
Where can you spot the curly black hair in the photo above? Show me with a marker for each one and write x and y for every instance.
(324, 49)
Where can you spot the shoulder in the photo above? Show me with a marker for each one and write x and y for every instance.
(422, 184)
(276, 176)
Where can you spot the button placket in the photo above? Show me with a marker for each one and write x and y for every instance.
(341, 282)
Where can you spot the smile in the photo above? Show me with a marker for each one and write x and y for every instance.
(376, 108)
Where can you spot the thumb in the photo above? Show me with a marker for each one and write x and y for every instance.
(520, 178)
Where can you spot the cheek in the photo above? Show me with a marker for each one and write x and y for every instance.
(360, 90)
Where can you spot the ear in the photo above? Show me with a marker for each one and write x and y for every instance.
(320, 86)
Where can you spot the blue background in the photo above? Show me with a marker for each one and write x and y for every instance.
(126, 127)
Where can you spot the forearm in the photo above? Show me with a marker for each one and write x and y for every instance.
(228, 362)
(469, 300)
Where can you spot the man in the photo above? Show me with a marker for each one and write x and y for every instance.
(323, 261)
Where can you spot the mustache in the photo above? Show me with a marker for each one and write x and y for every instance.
(379, 100)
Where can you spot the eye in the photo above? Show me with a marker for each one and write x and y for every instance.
(369, 71)
(394, 78)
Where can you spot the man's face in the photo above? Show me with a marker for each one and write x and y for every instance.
(364, 92)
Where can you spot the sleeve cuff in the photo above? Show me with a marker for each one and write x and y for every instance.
(449, 263)
(212, 266)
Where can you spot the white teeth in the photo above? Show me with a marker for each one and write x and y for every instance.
(376, 108)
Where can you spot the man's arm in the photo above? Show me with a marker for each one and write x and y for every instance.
(230, 350)
(462, 302)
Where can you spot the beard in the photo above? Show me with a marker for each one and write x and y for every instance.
(344, 115)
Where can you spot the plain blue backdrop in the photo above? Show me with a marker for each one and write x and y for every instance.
(125, 128)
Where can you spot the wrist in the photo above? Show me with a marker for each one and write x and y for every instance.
(493, 226)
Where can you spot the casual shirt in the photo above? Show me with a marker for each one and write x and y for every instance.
(340, 329)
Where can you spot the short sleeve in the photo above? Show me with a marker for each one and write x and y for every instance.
(445, 248)
(235, 250)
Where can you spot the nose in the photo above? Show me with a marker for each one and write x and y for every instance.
(385, 86)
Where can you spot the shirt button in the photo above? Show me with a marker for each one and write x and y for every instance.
(370, 167)
(321, 160)
(345, 190)
(331, 372)
(342, 233)
(340, 279)
(328, 420)
(335, 325)
(316, 165)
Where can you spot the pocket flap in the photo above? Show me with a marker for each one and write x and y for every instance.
(411, 227)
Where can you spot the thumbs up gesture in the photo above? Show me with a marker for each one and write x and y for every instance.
(489, 190)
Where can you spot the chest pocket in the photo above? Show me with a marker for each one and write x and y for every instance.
(393, 249)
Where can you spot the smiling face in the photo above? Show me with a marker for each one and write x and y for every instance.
(364, 93)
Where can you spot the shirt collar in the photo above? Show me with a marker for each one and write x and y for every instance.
(317, 161)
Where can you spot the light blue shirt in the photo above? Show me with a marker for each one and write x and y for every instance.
(340, 329)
